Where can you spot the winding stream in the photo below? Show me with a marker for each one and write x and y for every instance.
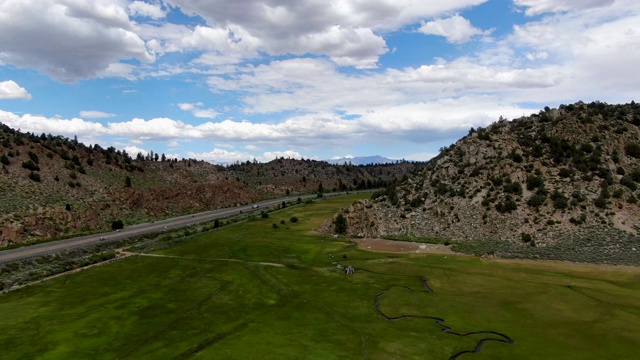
(440, 322)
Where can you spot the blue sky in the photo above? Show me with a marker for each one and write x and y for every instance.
(228, 81)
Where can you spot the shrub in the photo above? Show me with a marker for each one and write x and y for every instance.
(600, 202)
(626, 181)
(34, 176)
(517, 158)
(536, 200)
(4, 159)
(579, 220)
(294, 219)
(507, 205)
(633, 150)
(33, 157)
(117, 224)
(565, 172)
(416, 202)
(340, 224)
(559, 200)
(30, 165)
(618, 193)
(274, 225)
(513, 188)
(534, 182)
(264, 214)
(526, 237)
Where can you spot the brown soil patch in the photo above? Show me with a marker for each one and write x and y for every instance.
(393, 246)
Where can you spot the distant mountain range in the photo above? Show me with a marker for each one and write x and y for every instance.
(362, 160)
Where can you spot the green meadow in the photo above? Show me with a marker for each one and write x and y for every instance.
(257, 291)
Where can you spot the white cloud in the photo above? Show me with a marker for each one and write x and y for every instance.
(205, 113)
(68, 40)
(456, 29)
(418, 121)
(536, 7)
(85, 130)
(11, 90)
(189, 106)
(93, 114)
(288, 154)
(342, 157)
(345, 31)
(134, 150)
(195, 109)
(221, 156)
(143, 9)
(316, 85)
(590, 51)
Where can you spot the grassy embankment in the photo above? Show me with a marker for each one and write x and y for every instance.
(256, 291)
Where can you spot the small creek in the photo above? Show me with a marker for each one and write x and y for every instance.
(495, 336)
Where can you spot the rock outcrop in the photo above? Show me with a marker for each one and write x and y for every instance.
(563, 178)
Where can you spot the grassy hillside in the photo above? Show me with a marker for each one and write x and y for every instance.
(53, 186)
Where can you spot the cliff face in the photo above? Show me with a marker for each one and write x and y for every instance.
(563, 178)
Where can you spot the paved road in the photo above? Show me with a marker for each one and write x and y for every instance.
(157, 226)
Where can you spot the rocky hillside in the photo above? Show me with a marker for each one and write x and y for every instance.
(52, 186)
(560, 184)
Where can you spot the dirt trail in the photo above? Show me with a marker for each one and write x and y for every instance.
(394, 246)
(196, 258)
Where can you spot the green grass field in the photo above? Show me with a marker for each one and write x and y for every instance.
(252, 291)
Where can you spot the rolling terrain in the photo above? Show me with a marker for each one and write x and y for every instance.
(274, 292)
(560, 184)
(54, 187)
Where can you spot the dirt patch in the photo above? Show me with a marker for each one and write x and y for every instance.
(394, 246)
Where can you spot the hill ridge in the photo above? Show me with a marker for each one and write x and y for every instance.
(563, 179)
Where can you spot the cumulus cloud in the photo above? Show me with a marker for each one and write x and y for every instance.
(456, 29)
(221, 156)
(344, 31)
(69, 39)
(11, 90)
(536, 7)
(288, 154)
(197, 111)
(316, 85)
(394, 122)
(94, 114)
(134, 150)
(590, 50)
(189, 106)
(143, 9)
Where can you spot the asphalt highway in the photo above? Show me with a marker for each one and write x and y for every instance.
(139, 229)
